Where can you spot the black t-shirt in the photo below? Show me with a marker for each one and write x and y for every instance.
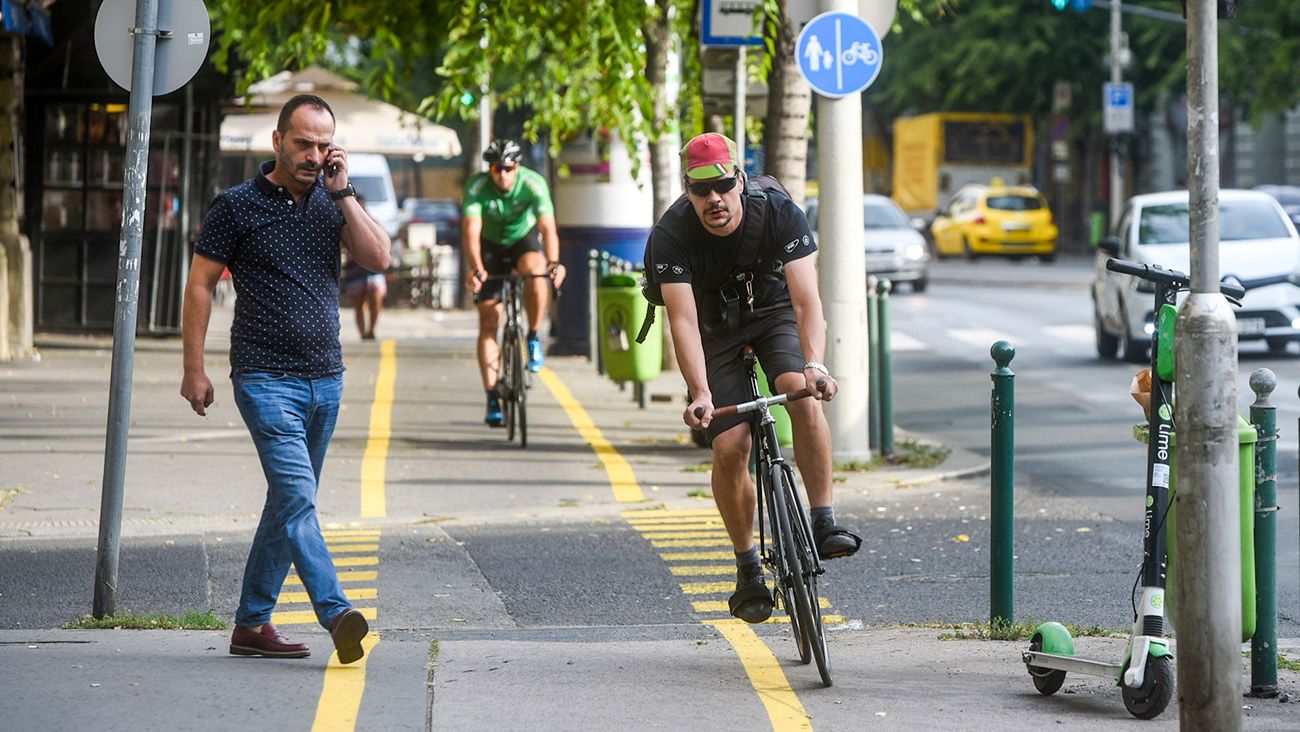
(283, 256)
(683, 251)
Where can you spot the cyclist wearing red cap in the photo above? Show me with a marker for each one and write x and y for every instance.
(716, 305)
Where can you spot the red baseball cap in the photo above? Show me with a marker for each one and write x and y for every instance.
(708, 156)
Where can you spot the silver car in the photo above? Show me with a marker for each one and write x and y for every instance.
(895, 249)
(1256, 241)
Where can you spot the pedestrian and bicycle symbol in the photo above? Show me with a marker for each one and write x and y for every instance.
(839, 54)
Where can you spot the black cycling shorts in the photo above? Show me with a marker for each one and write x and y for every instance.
(775, 338)
(500, 260)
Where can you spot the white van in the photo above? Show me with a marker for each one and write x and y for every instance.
(370, 175)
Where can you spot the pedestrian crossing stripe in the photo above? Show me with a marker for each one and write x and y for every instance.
(720, 606)
(356, 575)
(359, 539)
(652, 535)
(671, 513)
(695, 525)
(707, 588)
(727, 556)
(351, 548)
(356, 561)
(308, 617)
(359, 593)
(667, 543)
(697, 570)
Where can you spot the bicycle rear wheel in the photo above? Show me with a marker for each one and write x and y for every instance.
(509, 378)
(521, 396)
(796, 542)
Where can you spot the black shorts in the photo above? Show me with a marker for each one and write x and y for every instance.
(775, 339)
(500, 260)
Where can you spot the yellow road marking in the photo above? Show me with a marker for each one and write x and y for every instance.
(351, 548)
(780, 618)
(356, 575)
(308, 617)
(668, 543)
(708, 588)
(640, 513)
(695, 570)
(698, 557)
(340, 695)
(356, 593)
(765, 675)
(351, 538)
(374, 503)
(621, 478)
(720, 606)
(355, 561)
(653, 535)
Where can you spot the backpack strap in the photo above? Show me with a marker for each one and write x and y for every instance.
(647, 322)
(754, 222)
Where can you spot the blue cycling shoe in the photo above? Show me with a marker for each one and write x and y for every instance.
(494, 418)
(535, 357)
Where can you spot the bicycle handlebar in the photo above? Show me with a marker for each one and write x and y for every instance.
(754, 405)
(1154, 273)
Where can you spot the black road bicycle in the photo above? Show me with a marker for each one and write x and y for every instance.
(792, 557)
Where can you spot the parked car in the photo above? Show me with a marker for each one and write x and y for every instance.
(443, 213)
(1288, 196)
(370, 175)
(1257, 240)
(995, 219)
(894, 248)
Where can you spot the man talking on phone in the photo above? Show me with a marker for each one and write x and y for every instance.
(279, 234)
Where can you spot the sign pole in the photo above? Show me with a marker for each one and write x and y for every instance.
(1116, 76)
(742, 87)
(127, 300)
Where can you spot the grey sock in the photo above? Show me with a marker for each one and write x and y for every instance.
(824, 513)
(747, 559)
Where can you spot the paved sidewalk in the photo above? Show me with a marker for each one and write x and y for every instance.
(429, 671)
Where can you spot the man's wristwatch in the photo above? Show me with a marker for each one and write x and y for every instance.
(817, 367)
(343, 192)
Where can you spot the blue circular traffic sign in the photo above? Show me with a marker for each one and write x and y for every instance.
(839, 54)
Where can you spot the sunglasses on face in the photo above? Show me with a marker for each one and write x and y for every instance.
(504, 168)
(719, 186)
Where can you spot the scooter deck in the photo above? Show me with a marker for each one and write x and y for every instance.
(1070, 664)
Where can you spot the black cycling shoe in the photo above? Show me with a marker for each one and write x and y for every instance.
(834, 541)
(751, 602)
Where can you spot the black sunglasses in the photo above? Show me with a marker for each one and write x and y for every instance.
(500, 168)
(719, 186)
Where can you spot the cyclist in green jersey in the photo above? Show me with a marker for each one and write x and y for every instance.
(509, 226)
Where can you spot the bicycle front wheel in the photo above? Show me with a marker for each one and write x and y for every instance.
(779, 562)
(796, 544)
(509, 378)
(521, 397)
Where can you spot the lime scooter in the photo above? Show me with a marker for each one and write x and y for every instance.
(1146, 674)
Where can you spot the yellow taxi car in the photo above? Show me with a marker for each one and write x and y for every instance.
(995, 219)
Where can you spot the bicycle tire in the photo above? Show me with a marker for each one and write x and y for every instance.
(521, 395)
(776, 561)
(508, 379)
(795, 541)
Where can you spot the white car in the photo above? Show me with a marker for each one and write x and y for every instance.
(895, 248)
(1256, 240)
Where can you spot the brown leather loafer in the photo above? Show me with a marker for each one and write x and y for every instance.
(269, 643)
(348, 630)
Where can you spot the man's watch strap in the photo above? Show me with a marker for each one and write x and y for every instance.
(343, 192)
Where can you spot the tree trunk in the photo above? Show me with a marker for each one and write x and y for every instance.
(789, 101)
(663, 151)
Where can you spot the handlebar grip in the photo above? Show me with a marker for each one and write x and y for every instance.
(1232, 290)
(1126, 267)
(699, 412)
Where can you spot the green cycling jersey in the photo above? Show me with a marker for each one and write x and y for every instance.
(507, 215)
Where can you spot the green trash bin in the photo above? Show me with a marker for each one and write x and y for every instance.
(622, 309)
(784, 432)
(1246, 437)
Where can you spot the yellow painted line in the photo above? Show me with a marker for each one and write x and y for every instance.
(780, 618)
(336, 548)
(694, 526)
(308, 617)
(356, 593)
(351, 537)
(374, 503)
(355, 561)
(720, 606)
(640, 513)
(356, 575)
(708, 588)
(696, 570)
(669, 543)
(652, 535)
(340, 696)
(621, 477)
(783, 708)
(698, 557)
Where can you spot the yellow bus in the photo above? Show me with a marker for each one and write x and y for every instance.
(936, 154)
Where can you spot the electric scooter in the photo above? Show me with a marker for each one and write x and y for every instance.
(1146, 674)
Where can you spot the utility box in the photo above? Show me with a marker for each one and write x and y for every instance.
(1246, 438)
(622, 309)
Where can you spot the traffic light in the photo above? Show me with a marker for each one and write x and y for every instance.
(1060, 4)
(1078, 5)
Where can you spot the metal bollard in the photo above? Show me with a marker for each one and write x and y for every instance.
(873, 367)
(1002, 479)
(886, 370)
(1263, 645)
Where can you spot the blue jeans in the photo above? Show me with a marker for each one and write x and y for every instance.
(291, 420)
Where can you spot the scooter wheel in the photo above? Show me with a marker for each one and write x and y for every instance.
(1047, 681)
(1051, 638)
(1149, 700)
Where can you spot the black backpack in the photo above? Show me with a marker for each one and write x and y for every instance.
(756, 188)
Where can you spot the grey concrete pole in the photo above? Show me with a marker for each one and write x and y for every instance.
(742, 88)
(1208, 534)
(127, 309)
(1116, 76)
(842, 262)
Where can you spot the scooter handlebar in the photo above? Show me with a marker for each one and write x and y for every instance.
(1173, 277)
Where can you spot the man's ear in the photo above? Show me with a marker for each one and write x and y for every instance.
(275, 141)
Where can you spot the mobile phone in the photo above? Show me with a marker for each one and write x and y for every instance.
(331, 170)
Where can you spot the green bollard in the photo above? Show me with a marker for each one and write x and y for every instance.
(1002, 478)
(886, 373)
(1263, 644)
(873, 367)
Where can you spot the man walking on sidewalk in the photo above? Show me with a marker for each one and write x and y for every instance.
(279, 235)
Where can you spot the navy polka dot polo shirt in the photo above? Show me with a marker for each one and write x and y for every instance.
(283, 257)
